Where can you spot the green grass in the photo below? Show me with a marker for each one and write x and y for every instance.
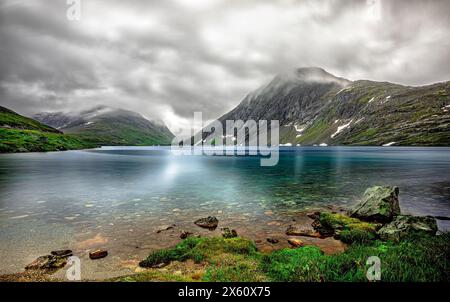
(199, 249)
(122, 133)
(16, 140)
(301, 264)
(417, 259)
(17, 121)
(356, 236)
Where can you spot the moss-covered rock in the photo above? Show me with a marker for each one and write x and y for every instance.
(379, 204)
(404, 225)
(333, 224)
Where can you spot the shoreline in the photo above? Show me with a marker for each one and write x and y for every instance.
(327, 248)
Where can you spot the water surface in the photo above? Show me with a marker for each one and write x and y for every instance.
(118, 197)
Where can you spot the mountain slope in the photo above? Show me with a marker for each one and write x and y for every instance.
(109, 126)
(22, 134)
(315, 107)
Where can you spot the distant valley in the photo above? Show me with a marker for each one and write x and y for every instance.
(88, 129)
(104, 125)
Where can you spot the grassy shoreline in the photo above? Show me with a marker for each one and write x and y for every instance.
(418, 258)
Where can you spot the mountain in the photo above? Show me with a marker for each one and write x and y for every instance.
(104, 125)
(22, 134)
(315, 107)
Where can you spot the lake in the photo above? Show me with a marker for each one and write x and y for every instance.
(119, 197)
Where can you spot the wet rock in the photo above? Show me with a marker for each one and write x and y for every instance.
(379, 204)
(62, 253)
(209, 222)
(294, 230)
(272, 240)
(404, 225)
(227, 233)
(160, 265)
(185, 234)
(97, 254)
(47, 262)
(295, 242)
(166, 228)
(313, 215)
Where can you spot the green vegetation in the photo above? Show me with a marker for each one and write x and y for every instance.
(22, 134)
(10, 119)
(16, 140)
(417, 258)
(121, 134)
(199, 249)
(334, 221)
(356, 236)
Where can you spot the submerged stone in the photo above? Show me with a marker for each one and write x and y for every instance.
(185, 234)
(272, 240)
(62, 253)
(47, 262)
(295, 242)
(404, 225)
(294, 230)
(379, 204)
(98, 254)
(209, 222)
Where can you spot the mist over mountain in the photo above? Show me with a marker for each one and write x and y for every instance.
(315, 107)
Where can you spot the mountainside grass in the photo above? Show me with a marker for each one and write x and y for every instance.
(17, 140)
(121, 134)
(13, 120)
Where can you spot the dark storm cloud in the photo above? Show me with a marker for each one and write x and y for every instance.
(167, 59)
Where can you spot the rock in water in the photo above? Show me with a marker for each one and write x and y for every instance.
(47, 262)
(227, 233)
(210, 222)
(404, 225)
(98, 254)
(62, 253)
(185, 234)
(272, 240)
(379, 204)
(313, 215)
(295, 242)
(294, 230)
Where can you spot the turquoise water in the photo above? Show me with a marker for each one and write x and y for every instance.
(48, 199)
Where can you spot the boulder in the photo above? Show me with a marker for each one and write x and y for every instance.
(379, 204)
(98, 254)
(404, 225)
(295, 242)
(209, 222)
(227, 233)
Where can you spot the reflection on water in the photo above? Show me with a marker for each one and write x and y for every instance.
(51, 200)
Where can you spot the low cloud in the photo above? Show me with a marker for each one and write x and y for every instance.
(167, 59)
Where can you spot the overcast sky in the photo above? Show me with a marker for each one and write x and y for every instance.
(169, 58)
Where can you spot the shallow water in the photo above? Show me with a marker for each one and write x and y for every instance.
(118, 197)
